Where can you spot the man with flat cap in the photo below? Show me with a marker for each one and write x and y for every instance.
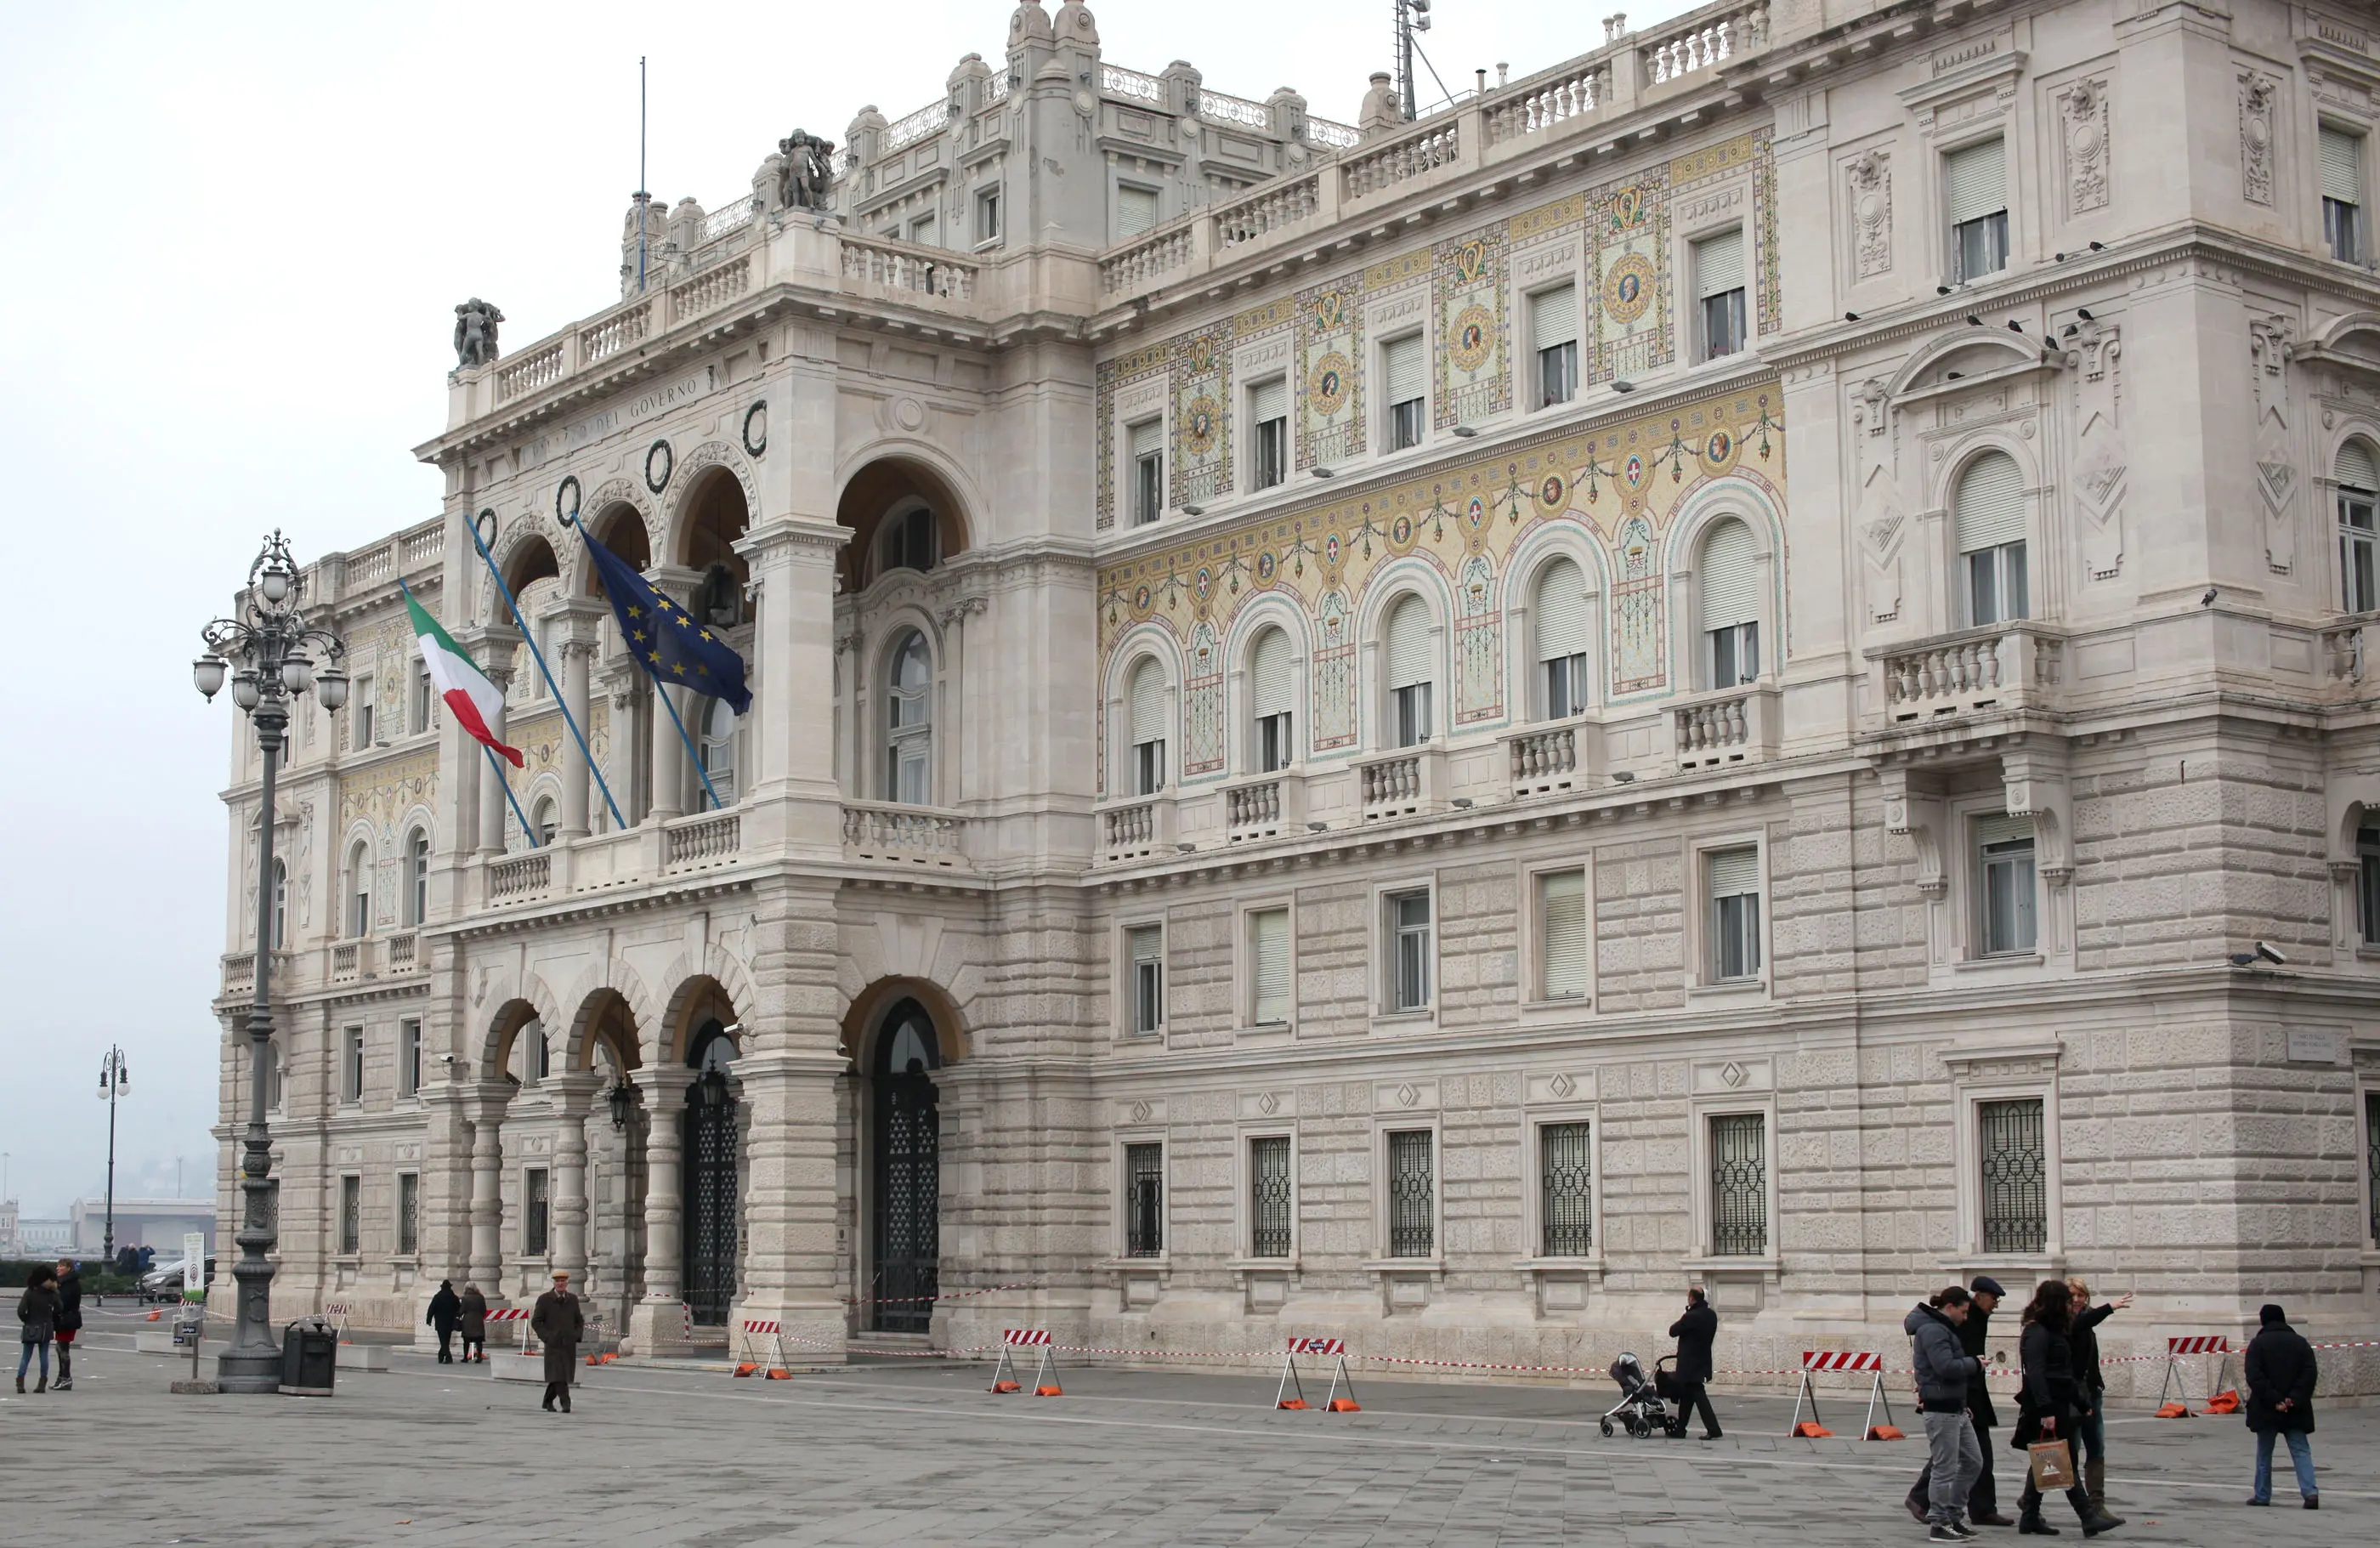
(1982, 1500)
(558, 1322)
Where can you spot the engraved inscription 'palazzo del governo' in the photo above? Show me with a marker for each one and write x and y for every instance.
(1704, 665)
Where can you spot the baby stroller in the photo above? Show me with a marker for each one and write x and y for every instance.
(1640, 1409)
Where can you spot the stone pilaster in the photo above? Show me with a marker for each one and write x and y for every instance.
(581, 620)
(795, 800)
(488, 1102)
(575, 1094)
(657, 1323)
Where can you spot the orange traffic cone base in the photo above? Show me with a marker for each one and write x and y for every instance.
(746, 1369)
(1292, 1403)
(1048, 1392)
(2222, 1403)
(1007, 1386)
(2173, 1410)
(1885, 1433)
(1811, 1431)
(1344, 1406)
(781, 1375)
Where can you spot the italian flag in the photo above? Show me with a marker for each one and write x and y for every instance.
(460, 682)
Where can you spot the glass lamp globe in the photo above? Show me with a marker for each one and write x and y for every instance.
(245, 691)
(272, 585)
(330, 688)
(208, 673)
(297, 672)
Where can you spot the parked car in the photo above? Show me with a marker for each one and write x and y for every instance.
(164, 1282)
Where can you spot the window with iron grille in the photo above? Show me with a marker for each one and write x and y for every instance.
(2015, 1176)
(408, 1214)
(1738, 1143)
(1412, 1194)
(351, 1214)
(1144, 1188)
(1268, 1196)
(1566, 1190)
(534, 1215)
(2372, 1160)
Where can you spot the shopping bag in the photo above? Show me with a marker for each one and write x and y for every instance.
(2053, 1467)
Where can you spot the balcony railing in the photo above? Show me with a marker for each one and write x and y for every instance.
(1544, 759)
(1570, 94)
(918, 835)
(1138, 829)
(711, 289)
(709, 839)
(1402, 784)
(516, 877)
(1264, 808)
(404, 951)
(1726, 725)
(1158, 254)
(240, 973)
(1708, 41)
(346, 961)
(915, 271)
(2000, 666)
(1421, 151)
(1275, 207)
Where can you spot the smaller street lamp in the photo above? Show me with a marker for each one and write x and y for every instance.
(114, 1080)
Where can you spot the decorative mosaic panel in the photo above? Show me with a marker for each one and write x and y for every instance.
(1621, 481)
(1202, 394)
(1475, 377)
(1202, 706)
(1111, 377)
(1330, 395)
(1632, 278)
(1718, 162)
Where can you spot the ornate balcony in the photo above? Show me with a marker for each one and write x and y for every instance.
(1404, 783)
(1542, 759)
(1264, 807)
(1997, 668)
(1723, 726)
(915, 834)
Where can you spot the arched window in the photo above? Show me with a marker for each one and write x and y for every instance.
(909, 724)
(1730, 568)
(1562, 640)
(1410, 673)
(718, 748)
(1988, 516)
(417, 877)
(280, 905)
(907, 541)
(1145, 705)
(1271, 694)
(2359, 491)
(360, 882)
(541, 819)
(272, 1074)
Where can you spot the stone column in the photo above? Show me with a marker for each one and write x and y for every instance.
(657, 1325)
(582, 617)
(794, 799)
(673, 771)
(574, 1098)
(488, 1102)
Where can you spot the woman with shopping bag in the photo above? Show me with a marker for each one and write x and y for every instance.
(2048, 1407)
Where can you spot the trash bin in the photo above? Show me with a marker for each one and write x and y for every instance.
(309, 1357)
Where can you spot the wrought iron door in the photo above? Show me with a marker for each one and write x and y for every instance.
(710, 1195)
(908, 1200)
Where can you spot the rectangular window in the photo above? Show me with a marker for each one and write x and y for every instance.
(351, 1216)
(1410, 949)
(1400, 365)
(2015, 1176)
(536, 1205)
(1268, 450)
(1271, 1197)
(1144, 1192)
(1565, 682)
(408, 1214)
(1996, 584)
(1148, 440)
(1268, 967)
(2342, 194)
(1719, 282)
(987, 215)
(1147, 945)
(1147, 767)
(409, 1058)
(1135, 211)
(1565, 1190)
(2372, 1163)
(924, 233)
(1734, 913)
(1561, 933)
(1412, 1194)
(1272, 743)
(1739, 1144)
(359, 903)
(2367, 887)
(362, 717)
(1735, 654)
(1553, 333)
(2004, 875)
(2359, 580)
(1975, 197)
(351, 1066)
(423, 700)
(1410, 705)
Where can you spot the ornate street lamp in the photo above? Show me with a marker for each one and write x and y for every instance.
(268, 652)
(114, 1080)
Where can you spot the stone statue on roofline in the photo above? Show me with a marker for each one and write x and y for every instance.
(806, 169)
(475, 334)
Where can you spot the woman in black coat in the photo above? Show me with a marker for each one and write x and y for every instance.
(2090, 1431)
(2049, 1404)
(445, 1310)
(37, 1323)
(2281, 1372)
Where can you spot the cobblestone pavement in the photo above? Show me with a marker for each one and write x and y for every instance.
(922, 1454)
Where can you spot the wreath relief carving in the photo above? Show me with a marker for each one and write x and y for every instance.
(2256, 93)
(1871, 184)
(2083, 109)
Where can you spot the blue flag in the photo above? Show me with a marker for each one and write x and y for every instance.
(669, 642)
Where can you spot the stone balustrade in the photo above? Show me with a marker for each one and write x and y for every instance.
(404, 950)
(1138, 829)
(1422, 151)
(914, 270)
(610, 334)
(346, 961)
(711, 289)
(517, 877)
(1544, 759)
(918, 835)
(1402, 784)
(240, 973)
(1725, 726)
(1150, 257)
(1265, 806)
(1999, 666)
(1275, 206)
(707, 839)
(1540, 104)
(1704, 42)
(541, 368)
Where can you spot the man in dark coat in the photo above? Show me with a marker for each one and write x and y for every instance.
(1694, 1333)
(557, 1323)
(445, 1312)
(69, 1288)
(2281, 1371)
(1982, 1500)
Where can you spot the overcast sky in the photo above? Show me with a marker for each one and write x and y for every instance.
(237, 234)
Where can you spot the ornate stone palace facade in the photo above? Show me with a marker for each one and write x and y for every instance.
(1705, 665)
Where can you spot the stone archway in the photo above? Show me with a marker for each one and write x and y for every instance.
(902, 1121)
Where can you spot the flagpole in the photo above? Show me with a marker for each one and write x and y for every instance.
(511, 799)
(528, 636)
(660, 692)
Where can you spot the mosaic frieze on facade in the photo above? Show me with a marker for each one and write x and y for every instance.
(1620, 485)
(1475, 377)
(1329, 378)
(1111, 377)
(1202, 392)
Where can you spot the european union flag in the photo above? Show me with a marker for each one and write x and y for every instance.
(671, 643)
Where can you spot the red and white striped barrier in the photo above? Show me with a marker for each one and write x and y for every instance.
(2219, 1400)
(1841, 1360)
(771, 1364)
(1329, 1349)
(507, 1314)
(1026, 1339)
(1045, 1376)
(1320, 1348)
(1848, 1362)
(2204, 1343)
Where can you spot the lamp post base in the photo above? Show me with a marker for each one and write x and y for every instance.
(248, 1371)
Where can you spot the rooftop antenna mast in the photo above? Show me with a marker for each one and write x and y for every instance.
(1412, 15)
(644, 200)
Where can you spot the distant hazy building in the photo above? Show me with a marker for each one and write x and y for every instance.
(159, 1224)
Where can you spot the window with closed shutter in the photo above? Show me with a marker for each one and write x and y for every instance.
(1733, 878)
(1269, 954)
(2342, 166)
(1719, 263)
(1975, 182)
(1731, 577)
(2356, 468)
(1408, 643)
(1269, 668)
(1147, 438)
(1135, 211)
(1553, 318)
(1402, 361)
(1269, 400)
(1147, 702)
(1562, 905)
(1562, 611)
(1989, 510)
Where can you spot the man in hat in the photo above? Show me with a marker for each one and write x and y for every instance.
(557, 1323)
(1982, 1500)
